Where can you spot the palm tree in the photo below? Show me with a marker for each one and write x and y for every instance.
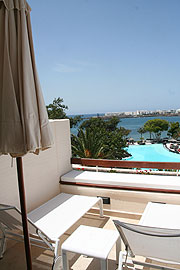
(98, 143)
(87, 144)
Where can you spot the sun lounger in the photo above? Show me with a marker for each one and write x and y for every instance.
(149, 242)
(48, 222)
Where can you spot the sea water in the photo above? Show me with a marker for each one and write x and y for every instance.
(134, 124)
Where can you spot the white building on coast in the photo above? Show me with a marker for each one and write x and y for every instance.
(144, 113)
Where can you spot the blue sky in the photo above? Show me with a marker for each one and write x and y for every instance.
(108, 55)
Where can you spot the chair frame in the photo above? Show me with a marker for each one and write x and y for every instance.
(126, 257)
(39, 239)
(74, 205)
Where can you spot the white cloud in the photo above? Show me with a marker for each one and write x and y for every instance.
(66, 69)
(77, 66)
(84, 63)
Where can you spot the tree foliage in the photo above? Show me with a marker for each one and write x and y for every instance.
(97, 122)
(56, 110)
(114, 145)
(74, 121)
(156, 126)
(99, 138)
(174, 130)
(87, 144)
(141, 130)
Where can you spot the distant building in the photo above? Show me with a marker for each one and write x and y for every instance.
(144, 113)
(128, 113)
(114, 113)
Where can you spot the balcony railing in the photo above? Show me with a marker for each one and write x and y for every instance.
(126, 164)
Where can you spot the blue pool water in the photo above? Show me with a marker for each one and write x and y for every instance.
(152, 152)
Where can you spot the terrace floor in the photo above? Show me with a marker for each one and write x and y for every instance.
(14, 257)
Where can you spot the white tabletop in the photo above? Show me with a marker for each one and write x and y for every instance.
(91, 241)
(161, 215)
(57, 215)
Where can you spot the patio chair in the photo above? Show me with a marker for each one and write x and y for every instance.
(46, 223)
(149, 242)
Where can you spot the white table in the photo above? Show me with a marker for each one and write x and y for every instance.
(57, 215)
(161, 215)
(92, 242)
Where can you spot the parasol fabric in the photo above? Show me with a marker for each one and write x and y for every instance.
(24, 125)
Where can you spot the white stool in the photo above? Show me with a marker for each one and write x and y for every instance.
(92, 242)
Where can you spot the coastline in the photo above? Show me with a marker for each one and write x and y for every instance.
(134, 123)
(135, 116)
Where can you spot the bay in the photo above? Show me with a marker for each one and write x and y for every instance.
(134, 124)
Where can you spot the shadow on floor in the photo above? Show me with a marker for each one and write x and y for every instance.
(14, 257)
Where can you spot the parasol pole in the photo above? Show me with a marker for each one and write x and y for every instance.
(24, 212)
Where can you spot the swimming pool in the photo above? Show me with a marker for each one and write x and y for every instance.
(152, 152)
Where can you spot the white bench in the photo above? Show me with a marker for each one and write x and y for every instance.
(121, 180)
(47, 222)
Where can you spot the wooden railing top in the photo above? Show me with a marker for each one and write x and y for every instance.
(126, 164)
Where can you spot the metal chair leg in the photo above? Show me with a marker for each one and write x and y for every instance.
(2, 246)
(104, 264)
(65, 260)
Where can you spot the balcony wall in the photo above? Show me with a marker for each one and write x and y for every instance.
(41, 173)
(128, 192)
(123, 201)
